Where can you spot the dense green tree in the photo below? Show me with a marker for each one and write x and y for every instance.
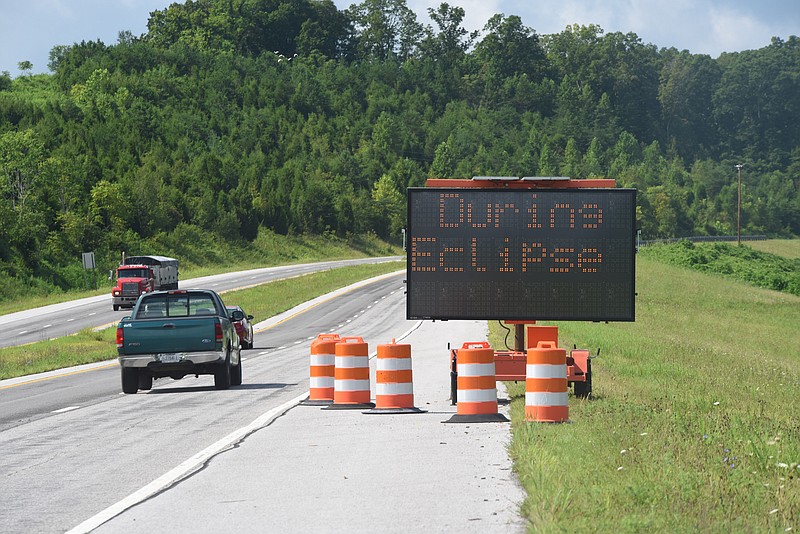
(385, 30)
(231, 118)
(686, 91)
(444, 164)
(510, 48)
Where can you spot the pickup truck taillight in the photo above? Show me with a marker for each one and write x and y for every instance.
(218, 332)
(120, 337)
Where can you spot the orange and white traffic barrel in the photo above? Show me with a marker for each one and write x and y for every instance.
(476, 387)
(546, 384)
(323, 365)
(351, 374)
(394, 385)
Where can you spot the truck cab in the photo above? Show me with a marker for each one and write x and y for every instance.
(138, 275)
(132, 281)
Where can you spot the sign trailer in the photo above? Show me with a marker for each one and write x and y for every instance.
(522, 250)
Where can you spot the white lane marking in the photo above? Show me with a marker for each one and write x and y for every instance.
(369, 307)
(22, 333)
(349, 320)
(67, 409)
(341, 325)
(263, 353)
(186, 468)
(47, 326)
(377, 301)
(70, 319)
(311, 337)
(93, 313)
(280, 348)
(298, 342)
(362, 311)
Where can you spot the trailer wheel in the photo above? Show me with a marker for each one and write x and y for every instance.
(130, 380)
(583, 390)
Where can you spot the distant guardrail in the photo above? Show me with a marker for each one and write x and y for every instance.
(702, 239)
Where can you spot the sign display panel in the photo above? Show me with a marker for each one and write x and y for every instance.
(523, 254)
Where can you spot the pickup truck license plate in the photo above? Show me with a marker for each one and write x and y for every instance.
(170, 357)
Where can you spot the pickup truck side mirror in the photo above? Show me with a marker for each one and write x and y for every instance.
(237, 315)
(249, 317)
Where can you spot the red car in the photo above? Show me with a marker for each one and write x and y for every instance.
(244, 327)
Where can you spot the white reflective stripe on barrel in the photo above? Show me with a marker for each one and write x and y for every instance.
(542, 399)
(322, 359)
(477, 395)
(543, 370)
(352, 362)
(396, 388)
(393, 364)
(321, 382)
(475, 369)
(351, 385)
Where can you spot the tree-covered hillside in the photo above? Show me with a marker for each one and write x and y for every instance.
(232, 115)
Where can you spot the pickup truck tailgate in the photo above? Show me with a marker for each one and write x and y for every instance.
(181, 334)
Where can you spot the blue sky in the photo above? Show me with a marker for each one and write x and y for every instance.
(30, 28)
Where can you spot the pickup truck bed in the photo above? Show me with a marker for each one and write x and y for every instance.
(178, 333)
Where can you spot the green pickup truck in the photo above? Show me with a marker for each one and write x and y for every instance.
(178, 333)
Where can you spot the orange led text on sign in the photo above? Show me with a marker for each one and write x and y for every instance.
(455, 212)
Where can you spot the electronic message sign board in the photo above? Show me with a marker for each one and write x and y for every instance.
(522, 254)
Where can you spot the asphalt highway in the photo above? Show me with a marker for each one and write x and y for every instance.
(80, 456)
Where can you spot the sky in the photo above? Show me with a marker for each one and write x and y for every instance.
(30, 28)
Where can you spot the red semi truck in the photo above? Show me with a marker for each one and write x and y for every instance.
(143, 274)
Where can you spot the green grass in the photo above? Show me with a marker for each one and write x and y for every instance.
(262, 301)
(788, 248)
(762, 269)
(693, 425)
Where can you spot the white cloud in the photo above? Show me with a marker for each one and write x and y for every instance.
(734, 30)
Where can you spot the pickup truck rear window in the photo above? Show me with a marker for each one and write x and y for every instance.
(182, 305)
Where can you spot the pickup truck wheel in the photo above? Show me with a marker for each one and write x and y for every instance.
(130, 380)
(116, 307)
(145, 381)
(222, 375)
(236, 373)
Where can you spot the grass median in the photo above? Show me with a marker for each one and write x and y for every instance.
(693, 425)
(262, 302)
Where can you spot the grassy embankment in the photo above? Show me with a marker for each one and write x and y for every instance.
(262, 302)
(694, 424)
(788, 248)
(202, 255)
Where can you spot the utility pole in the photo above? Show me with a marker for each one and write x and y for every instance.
(739, 208)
